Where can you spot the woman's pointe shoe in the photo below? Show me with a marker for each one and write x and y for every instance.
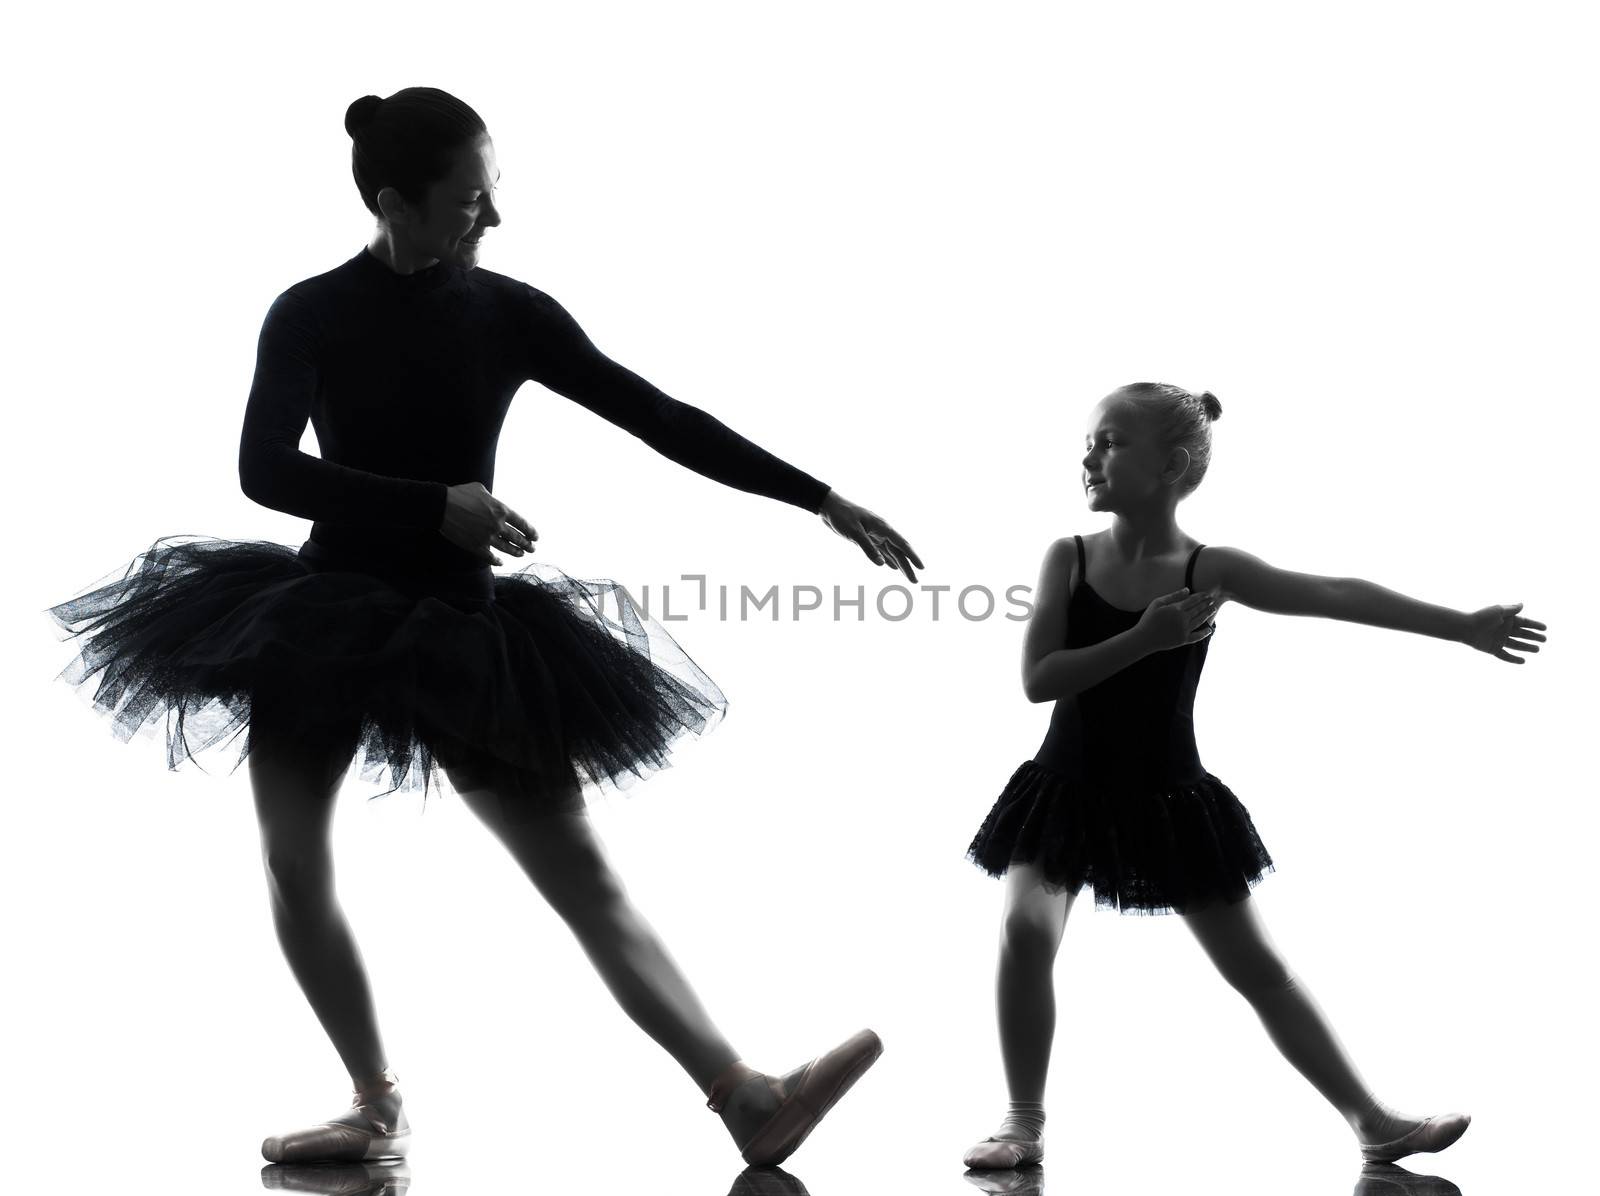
(1433, 1134)
(995, 1154)
(804, 1095)
(367, 1135)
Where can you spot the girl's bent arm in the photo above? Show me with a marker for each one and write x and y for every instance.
(1049, 671)
(1255, 583)
(1069, 671)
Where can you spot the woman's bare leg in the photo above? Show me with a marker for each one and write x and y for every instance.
(564, 858)
(1237, 942)
(296, 782)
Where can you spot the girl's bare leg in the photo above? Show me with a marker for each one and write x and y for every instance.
(1025, 1005)
(564, 858)
(295, 781)
(1237, 942)
(1025, 996)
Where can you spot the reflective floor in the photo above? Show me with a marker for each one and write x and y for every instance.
(384, 1179)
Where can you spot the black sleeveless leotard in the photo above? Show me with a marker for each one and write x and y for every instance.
(1116, 796)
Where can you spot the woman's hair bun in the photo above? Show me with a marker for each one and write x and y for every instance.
(360, 114)
(1212, 407)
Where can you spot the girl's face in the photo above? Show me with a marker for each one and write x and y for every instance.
(1125, 467)
(459, 208)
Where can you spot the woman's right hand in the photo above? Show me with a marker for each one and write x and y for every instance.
(476, 520)
(1179, 618)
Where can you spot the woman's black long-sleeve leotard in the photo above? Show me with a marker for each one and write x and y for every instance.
(407, 379)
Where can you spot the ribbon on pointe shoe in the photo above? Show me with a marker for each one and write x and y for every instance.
(371, 1089)
(732, 1076)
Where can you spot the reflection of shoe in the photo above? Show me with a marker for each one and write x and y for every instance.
(1385, 1179)
(343, 1142)
(1433, 1134)
(995, 1154)
(766, 1181)
(388, 1178)
(804, 1095)
(1017, 1181)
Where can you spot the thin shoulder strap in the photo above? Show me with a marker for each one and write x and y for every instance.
(1188, 574)
(1082, 568)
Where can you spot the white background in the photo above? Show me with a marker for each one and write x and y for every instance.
(906, 247)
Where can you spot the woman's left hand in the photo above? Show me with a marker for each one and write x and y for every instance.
(1501, 630)
(882, 544)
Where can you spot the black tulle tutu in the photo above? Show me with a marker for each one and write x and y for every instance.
(1150, 851)
(557, 679)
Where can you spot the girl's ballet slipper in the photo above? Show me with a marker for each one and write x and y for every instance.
(995, 1154)
(1433, 1134)
(804, 1095)
(338, 1142)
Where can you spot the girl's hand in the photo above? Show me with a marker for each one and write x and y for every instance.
(1179, 618)
(882, 544)
(476, 520)
(1494, 629)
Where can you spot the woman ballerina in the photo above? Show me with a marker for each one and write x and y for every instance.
(387, 638)
(1116, 797)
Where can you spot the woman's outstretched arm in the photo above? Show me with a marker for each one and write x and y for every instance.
(562, 357)
(1241, 577)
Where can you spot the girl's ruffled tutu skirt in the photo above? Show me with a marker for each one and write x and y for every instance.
(1142, 852)
(543, 680)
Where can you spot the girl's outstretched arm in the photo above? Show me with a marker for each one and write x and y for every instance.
(1497, 630)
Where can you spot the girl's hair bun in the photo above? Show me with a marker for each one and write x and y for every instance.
(360, 114)
(1183, 420)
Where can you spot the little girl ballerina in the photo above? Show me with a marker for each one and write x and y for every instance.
(1116, 797)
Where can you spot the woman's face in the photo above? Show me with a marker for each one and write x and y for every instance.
(459, 208)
